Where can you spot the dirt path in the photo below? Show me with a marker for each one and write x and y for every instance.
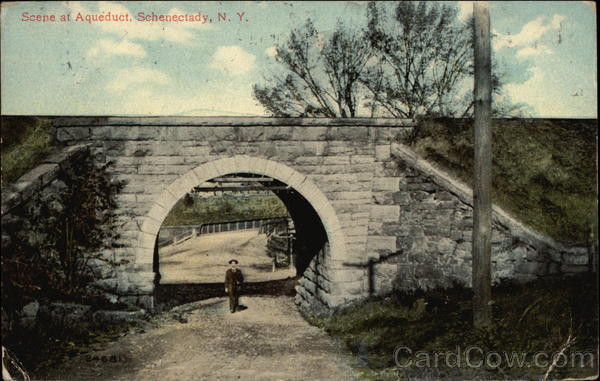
(267, 341)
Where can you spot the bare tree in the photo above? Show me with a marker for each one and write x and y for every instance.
(424, 55)
(414, 59)
(425, 62)
(323, 76)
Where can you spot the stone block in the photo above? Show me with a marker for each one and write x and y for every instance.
(30, 310)
(278, 133)
(309, 160)
(165, 169)
(332, 150)
(66, 313)
(382, 152)
(336, 160)
(220, 133)
(314, 148)
(146, 240)
(26, 189)
(41, 174)
(446, 245)
(385, 213)
(158, 212)
(575, 259)
(362, 159)
(351, 133)
(381, 243)
(391, 184)
(352, 287)
(383, 198)
(362, 197)
(573, 269)
(309, 133)
(361, 168)
(534, 268)
(344, 206)
(251, 133)
(401, 198)
(10, 199)
(354, 230)
(444, 196)
(65, 134)
(108, 285)
(166, 199)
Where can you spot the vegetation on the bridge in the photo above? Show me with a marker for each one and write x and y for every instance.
(25, 141)
(194, 210)
(530, 318)
(544, 171)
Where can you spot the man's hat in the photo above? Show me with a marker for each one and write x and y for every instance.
(233, 261)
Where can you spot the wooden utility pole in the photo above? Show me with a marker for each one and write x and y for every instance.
(482, 177)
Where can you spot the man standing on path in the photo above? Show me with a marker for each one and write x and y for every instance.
(234, 280)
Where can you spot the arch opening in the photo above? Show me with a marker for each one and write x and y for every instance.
(316, 227)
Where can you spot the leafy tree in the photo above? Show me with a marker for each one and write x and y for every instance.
(323, 77)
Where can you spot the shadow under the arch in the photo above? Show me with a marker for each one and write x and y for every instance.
(167, 296)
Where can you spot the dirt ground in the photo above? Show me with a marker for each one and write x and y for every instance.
(204, 259)
(268, 340)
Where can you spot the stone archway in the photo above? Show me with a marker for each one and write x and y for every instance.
(236, 164)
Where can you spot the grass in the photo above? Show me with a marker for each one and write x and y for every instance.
(528, 318)
(544, 171)
(192, 210)
(25, 142)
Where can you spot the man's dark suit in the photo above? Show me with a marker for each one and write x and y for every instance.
(234, 281)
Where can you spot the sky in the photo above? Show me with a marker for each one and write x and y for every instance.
(80, 67)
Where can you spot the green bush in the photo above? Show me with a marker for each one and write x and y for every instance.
(54, 237)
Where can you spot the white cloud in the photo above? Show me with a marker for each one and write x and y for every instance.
(528, 39)
(271, 51)
(465, 10)
(546, 93)
(534, 51)
(556, 21)
(136, 75)
(141, 30)
(110, 48)
(232, 59)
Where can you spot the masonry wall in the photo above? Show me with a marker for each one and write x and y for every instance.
(433, 232)
(339, 157)
(394, 221)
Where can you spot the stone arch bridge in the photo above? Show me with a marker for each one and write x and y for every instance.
(370, 215)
